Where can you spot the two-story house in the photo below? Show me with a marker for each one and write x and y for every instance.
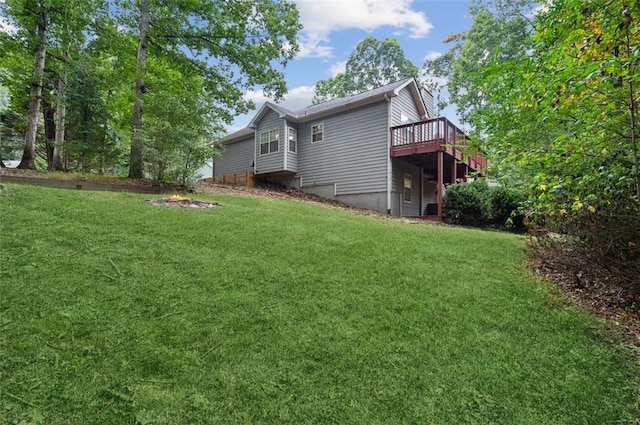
(382, 149)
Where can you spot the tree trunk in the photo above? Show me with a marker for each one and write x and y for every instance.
(48, 113)
(633, 105)
(1, 160)
(136, 165)
(634, 142)
(35, 93)
(61, 112)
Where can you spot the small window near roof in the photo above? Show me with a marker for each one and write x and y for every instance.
(317, 133)
(407, 188)
(293, 139)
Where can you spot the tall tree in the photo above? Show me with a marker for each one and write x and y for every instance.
(47, 28)
(179, 123)
(233, 45)
(586, 73)
(136, 162)
(4, 105)
(557, 110)
(36, 16)
(372, 64)
(500, 34)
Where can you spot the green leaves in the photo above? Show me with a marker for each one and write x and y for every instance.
(204, 54)
(374, 63)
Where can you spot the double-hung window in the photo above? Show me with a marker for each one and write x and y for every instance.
(407, 188)
(317, 133)
(292, 138)
(269, 141)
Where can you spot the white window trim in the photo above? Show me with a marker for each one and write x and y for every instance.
(269, 142)
(404, 188)
(316, 125)
(289, 140)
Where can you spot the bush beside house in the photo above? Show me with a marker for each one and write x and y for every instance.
(476, 204)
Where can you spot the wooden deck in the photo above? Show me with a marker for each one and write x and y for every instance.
(435, 135)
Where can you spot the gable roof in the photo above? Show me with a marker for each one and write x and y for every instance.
(334, 106)
(364, 98)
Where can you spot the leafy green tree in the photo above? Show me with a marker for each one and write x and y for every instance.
(87, 120)
(374, 63)
(232, 45)
(179, 124)
(500, 35)
(46, 29)
(556, 108)
(34, 20)
(586, 74)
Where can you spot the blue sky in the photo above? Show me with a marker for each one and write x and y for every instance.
(333, 28)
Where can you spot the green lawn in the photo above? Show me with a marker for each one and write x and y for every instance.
(113, 311)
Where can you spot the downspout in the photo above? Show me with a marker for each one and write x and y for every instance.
(389, 180)
(255, 150)
(285, 139)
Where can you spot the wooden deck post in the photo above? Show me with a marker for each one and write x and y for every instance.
(454, 170)
(440, 181)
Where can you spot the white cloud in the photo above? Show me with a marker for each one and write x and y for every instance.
(312, 48)
(296, 98)
(257, 96)
(299, 97)
(432, 55)
(321, 18)
(338, 68)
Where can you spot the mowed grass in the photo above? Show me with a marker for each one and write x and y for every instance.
(260, 311)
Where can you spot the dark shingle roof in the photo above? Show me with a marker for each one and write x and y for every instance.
(324, 108)
(344, 101)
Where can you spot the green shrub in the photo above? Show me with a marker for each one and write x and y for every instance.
(476, 204)
(468, 204)
(505, 208)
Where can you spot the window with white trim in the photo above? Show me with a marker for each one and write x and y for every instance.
(292, 137)
(317, 133)
(269, 141)
(407, 187)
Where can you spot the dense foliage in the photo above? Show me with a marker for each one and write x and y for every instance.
(552, 94)
(189, 62)
(372, 64)
(479, 205)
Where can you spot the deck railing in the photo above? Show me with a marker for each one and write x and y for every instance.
(433, 135)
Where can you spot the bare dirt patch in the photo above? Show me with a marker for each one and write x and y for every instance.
(183, 203)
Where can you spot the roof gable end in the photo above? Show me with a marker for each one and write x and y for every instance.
(282, 113)
(347, 103)
(412, 85)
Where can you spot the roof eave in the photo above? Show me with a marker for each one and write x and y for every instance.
(347, 106)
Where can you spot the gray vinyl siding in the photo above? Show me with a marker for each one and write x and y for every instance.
(353, 154)
(427, 97)
(272, 162)
(399, 169)
(237, 157)
(403, 104)
(292, 158)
